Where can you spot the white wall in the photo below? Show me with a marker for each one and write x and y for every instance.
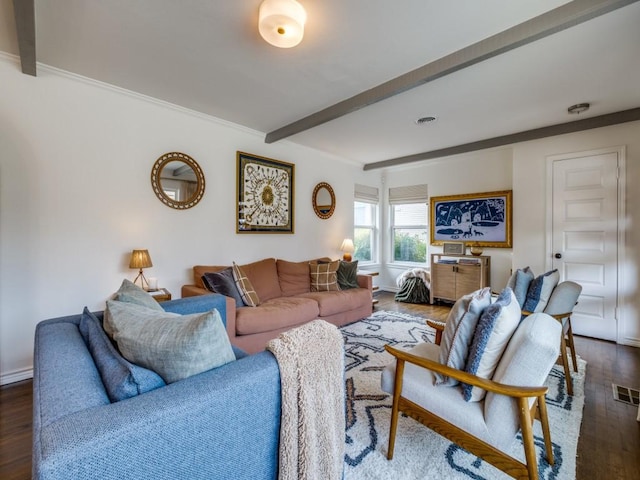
(76, 198)
(484, 171)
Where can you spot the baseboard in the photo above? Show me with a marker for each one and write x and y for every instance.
(16, 376)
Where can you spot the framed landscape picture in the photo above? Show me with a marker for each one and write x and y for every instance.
(265, 195)
(476, 217)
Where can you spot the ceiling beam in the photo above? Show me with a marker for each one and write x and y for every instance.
(25, 16)
(553, 130)
(558, 19)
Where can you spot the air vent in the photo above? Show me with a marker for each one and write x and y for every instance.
(423, 120)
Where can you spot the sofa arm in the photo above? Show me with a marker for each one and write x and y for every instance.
(193, 291)
(365, 281)
(223, 424)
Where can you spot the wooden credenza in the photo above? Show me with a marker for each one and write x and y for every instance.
(450, 281)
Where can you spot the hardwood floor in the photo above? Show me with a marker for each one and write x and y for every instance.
(608, 448)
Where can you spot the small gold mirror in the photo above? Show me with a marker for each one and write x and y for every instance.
(177, 180)
(324, 200)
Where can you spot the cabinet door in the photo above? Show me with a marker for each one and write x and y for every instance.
(443, 281)
(467, 279)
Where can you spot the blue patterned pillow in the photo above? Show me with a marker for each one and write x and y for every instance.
(520, 282)
(493, 332)
(540, 291)
(121, 378)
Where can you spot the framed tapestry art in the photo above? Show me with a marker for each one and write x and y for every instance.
(265, 193)
(484, 218)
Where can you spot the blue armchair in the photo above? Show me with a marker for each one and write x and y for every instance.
(220, 424)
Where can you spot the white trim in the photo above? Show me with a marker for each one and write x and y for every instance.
(16, 376)
(621, 304)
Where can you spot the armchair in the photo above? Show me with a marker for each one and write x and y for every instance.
(560, 306)
(515, 395)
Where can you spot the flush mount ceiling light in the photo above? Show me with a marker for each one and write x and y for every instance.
(578, 108)
(281, 22)
(423, 120)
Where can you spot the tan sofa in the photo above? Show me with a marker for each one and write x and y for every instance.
(286, 300)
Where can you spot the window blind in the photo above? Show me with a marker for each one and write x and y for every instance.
(365, 193)
(408, 194)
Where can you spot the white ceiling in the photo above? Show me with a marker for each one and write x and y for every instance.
(207, 55)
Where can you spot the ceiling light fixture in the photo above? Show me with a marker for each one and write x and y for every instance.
(281, 22)
(423, 120)
(578, 108)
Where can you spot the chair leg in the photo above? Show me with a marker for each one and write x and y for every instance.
(565, 364)
(397, 390)
(527, 437)
(570, 344)
(546, 433)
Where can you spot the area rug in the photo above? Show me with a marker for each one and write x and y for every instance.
(421, 453)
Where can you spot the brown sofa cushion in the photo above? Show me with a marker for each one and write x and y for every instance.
(294, 277)
(264, 278)
(274, 314)
(330, 303)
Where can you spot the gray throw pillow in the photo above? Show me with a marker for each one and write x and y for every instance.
(174, 346)
(348, 275)
(129, 292)
(222, 282)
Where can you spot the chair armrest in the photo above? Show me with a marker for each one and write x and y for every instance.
(557, 316)
(439, 328)
(488, 385)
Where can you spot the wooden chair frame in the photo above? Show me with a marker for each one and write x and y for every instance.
(489, 453)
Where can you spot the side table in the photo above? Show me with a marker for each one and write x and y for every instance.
(371, 274)
(161, 295)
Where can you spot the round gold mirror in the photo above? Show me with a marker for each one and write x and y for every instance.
(324, 200)
(177, 180)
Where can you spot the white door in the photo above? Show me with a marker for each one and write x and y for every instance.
(585, 236)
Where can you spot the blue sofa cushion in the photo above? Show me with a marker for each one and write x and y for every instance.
(174, 346)
(520, 282)
(129, 292)
(121, 378)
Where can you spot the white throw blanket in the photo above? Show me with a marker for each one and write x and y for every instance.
(312, 429)
(420, 273)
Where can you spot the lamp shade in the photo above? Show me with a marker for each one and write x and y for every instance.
(281, 22)
(140, 259)
(347, 246)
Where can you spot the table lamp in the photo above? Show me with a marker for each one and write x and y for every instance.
(348, 248)
(141, 259)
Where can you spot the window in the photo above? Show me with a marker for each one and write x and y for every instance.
(365, 223)
(409, 223)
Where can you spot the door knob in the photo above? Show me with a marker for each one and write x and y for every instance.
(558, 255)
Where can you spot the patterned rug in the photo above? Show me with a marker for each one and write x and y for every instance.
(421, 453)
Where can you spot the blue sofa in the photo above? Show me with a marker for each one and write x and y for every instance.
(220, 424)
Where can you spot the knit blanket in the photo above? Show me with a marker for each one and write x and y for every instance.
(312, 425)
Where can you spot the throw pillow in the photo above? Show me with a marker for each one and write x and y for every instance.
(121, 378)
(458, 332)
(324, 276)
(348, 275)
(520, 282)
(172, 345)
(245, 288)
(129, 292)
(493, 332)
(540, 291)
(223, 283)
